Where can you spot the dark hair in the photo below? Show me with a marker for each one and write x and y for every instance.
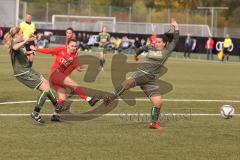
(71, 40)
(166, 37)
(70, 28)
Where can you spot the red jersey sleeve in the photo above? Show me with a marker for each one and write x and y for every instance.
(53, 51)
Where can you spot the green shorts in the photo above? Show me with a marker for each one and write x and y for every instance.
(103, 49)
(146, 82)
(31, 79)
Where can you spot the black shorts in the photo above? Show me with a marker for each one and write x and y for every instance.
(226, 51)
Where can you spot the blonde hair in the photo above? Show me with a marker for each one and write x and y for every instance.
(10, 35)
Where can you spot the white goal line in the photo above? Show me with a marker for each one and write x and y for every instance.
(114, 114)
(140, 100)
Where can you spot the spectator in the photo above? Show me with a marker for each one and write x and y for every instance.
(209, 46)
(226, 47)
(117, 44)
(111, 46)
(188, 46)
(91, 42)
(83, 41)
(125, 45)
(143, 42)
(137, 43)
(80, 40)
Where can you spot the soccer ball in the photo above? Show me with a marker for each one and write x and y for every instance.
(227, 111)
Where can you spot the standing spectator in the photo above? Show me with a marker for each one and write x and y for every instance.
(188, 46)
(226, 47)
(209, 46)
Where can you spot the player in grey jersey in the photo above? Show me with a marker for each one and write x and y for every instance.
(148, 72)
(26, 75)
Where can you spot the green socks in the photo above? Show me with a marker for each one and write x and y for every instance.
(155, 112)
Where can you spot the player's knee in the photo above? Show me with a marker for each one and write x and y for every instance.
(127, 84)
(45, 86)
(157, 101)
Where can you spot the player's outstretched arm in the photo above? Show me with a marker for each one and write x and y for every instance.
(175, 25)
(53, 51)
(172, 44)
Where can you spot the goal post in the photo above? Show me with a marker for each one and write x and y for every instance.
(84, 23)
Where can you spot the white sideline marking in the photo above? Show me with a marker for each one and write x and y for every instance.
(113, 115)
(144, 99)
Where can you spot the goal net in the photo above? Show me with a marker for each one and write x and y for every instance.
(83, 23)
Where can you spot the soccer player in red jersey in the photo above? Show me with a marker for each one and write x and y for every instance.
(65, 63)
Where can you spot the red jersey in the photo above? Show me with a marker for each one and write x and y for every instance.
(152, 40)
(64, 62)
(209, 44)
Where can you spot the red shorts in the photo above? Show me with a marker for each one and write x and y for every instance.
(56, 80)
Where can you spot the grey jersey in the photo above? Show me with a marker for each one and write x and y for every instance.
(156, 58)
(19, 60)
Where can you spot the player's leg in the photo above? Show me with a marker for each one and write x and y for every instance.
(137, 78)
(224, 53)
(155, 111)
(151, 89)
(68, 82)
(126, 85)
(104, 56)
(68, 102)
(227, 55)
(50, 95)
(46, 92)
(101, 61)
(62, 97)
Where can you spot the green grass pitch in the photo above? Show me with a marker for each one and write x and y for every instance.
(114, 137)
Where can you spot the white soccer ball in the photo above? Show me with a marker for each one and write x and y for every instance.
(227, 111)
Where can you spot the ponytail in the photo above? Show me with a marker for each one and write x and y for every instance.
(10, 35)
(8, 39)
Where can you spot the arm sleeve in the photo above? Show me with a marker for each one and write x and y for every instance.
(170, 47)
(53, 51)
(141, 50)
